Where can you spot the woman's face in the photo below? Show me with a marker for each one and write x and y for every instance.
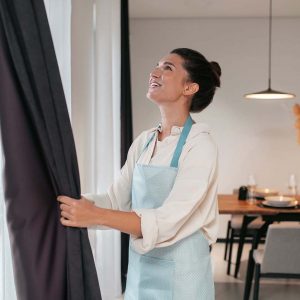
(168, 80)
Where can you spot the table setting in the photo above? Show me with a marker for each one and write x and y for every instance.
(268, 197)
(274, 199)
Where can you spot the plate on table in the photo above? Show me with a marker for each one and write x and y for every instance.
(280, 201)
(290, 205)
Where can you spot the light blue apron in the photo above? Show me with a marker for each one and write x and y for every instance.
(178, 272)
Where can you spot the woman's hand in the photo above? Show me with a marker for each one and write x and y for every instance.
(83, 213)
(77, 213)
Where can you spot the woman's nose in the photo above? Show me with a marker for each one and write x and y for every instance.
(155, 73)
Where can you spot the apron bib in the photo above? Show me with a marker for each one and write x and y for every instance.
(177, 272)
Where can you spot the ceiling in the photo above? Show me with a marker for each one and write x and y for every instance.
(212, 8)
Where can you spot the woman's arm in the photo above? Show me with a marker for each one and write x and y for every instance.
(83, 213)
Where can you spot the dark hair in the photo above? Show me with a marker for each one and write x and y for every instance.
(206, 74)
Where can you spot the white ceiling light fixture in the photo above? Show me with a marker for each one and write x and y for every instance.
(270, 93)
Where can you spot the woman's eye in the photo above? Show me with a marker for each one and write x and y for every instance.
(168, 68)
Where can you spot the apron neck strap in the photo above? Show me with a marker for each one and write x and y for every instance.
(149, 142)
(182, 139)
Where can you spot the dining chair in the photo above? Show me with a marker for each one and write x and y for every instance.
(280, 257)
(234, 226)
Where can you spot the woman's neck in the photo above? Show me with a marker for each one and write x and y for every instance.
(170, 118)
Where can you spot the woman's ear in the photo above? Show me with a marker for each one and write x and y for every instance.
(190, 88)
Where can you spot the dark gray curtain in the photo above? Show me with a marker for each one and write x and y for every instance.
(126, 118)
(50, 261)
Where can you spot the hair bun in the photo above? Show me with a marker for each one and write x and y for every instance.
(217, 72)
(216, 67)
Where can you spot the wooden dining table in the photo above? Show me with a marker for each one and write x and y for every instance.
(229, 204)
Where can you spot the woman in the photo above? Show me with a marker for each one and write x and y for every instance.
(165, 196)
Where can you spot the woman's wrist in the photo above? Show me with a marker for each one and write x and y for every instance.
(127, 222)
(100, 216)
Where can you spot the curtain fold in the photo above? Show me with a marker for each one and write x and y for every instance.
(126, 118)
(50, 261)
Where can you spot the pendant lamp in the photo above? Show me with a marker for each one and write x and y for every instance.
(270, 93)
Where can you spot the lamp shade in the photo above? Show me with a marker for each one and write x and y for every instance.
(270, 94)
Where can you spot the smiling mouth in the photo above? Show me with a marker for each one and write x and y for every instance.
(154, 85)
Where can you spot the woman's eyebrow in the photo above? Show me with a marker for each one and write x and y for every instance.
(167, 63)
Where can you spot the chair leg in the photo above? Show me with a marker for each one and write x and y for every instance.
(242, 235)
(230, 250)
(227, 239)
(249, 276)
(256, 282)
(239, 255)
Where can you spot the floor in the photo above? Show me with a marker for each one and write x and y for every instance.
(229, 288)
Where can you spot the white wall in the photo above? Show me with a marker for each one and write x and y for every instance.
(254, 136)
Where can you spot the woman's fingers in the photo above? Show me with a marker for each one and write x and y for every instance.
(65, 207)
(71, 223)
(72, 201)
(75, 213)
(66, 200)
(67, 222)
(66, 215)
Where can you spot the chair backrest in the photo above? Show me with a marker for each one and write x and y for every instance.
(282, 249)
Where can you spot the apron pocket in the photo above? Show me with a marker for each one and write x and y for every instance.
(156, 278)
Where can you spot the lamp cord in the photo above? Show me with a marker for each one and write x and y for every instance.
(270, 42)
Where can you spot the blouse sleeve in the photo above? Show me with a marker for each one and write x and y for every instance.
(190, 205)
(118, 196)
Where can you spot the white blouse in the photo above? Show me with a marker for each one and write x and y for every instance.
(192, 203)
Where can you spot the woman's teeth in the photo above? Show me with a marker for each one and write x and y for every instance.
(154, 84)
